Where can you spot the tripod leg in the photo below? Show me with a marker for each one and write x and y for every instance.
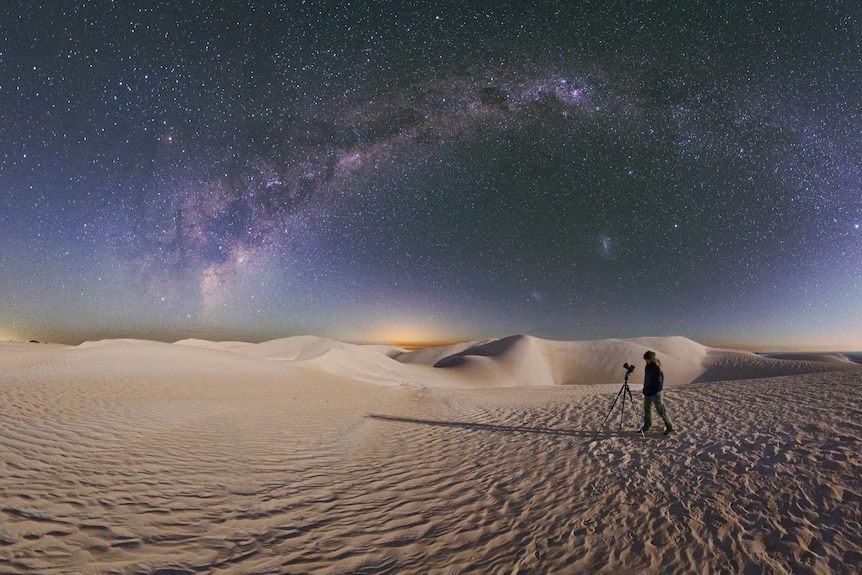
(609, 413)
(634, 410)
(623, 407)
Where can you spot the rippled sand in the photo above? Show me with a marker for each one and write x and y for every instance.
(189, 463)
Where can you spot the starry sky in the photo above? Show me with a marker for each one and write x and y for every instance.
(388, 171)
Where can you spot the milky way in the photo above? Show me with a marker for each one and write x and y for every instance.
(460, 171)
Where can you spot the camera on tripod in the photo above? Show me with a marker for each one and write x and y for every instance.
(624, 392)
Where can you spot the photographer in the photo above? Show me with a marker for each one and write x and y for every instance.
(653, 383)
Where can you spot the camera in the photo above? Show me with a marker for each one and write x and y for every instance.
(628, 368)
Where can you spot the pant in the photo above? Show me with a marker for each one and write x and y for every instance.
(656, 400)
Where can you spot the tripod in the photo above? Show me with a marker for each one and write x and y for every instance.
(624, 391)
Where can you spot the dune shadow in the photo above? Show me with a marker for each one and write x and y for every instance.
(483, 426)
(491, 349)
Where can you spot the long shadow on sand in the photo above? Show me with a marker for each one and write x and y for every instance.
(484, 426)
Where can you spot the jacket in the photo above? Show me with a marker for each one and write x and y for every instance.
(653, 379)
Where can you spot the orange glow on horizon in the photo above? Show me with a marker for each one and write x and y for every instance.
(414, 345)
(409, 337)
(9, 335)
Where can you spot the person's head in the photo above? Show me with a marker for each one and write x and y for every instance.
(650, 357)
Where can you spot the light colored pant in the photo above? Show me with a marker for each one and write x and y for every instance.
(659, 407)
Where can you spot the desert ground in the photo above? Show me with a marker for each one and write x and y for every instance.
(305, 455)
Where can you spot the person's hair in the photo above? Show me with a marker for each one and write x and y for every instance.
(650, 356)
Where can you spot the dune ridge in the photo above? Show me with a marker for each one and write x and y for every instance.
(311, 456)
(528, 361)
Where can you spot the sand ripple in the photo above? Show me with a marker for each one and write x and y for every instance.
(277, 473)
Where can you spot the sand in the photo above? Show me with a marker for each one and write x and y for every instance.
(310, 456)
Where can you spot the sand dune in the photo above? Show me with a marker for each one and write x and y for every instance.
(310, 456)
(524, 361)
(819, 357)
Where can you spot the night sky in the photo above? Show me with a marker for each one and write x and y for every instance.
(432, 171)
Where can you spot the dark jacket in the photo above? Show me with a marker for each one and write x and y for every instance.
(653, 379)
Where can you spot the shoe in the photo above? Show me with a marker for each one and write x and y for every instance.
(643, 429)
(670, 431)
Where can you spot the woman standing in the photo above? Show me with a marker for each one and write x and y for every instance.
(653, 383)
